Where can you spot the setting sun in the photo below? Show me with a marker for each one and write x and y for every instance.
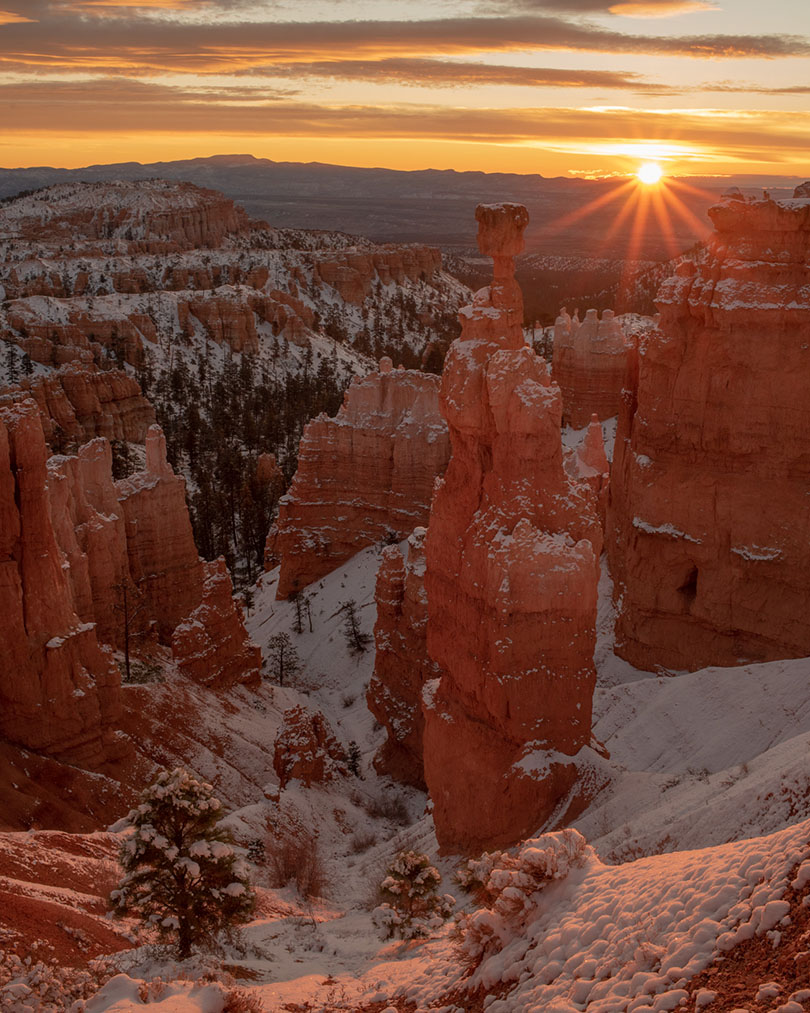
(650, 173)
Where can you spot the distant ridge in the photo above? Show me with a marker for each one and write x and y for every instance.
(424, 205)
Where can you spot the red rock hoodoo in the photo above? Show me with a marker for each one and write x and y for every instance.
(59, 690)
(512, 557)
(211, 645)
(402, 665)
(714, 434)
(589, 364)
(306, 749)
(365, 474)
(163, 558)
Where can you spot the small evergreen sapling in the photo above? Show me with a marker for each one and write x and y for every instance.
(181, 876)
(412, 906)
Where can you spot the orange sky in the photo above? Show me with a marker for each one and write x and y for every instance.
(550, 86)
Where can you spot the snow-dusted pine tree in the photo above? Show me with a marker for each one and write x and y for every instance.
(182, 877)
(412, 907)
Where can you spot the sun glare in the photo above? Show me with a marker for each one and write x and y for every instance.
(650, 173)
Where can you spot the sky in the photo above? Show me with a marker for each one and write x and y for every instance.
(558, 87)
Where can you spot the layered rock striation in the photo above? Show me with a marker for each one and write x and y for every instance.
(75, 548)
(362, 476)
(59, 689)
(77, 404)
(512, 556)
(709, 512)
(589, 363)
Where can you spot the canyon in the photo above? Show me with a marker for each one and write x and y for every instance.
(623, 735)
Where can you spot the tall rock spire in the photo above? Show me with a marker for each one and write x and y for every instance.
(511, 572)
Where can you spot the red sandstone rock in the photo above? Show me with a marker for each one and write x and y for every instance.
(144, 213)
(364, 474)
(512, 565)
(78, 404)
(589, 462)
(353, 273)
(211, 645)
(589, 364)
(226, 320)
(709, 512)
(402, 665)
(89, 528)
(59, 691)
(307, 750)
(163, 558)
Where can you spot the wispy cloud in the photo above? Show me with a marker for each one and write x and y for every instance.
(112, 104)
(454, 73)
(630, 8)
(142, 45)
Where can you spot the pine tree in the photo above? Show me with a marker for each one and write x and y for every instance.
(357, 640)
(412, 907)
(181, 876)
(353, 756)
(282, 657)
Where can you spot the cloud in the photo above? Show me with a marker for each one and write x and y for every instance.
(144, 45)
(660, 8)
(629, 8)
(452, 73)
(11, 18)
(114, 105)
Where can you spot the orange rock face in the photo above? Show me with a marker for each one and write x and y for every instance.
(709, 508)
(589, 364)
(352, 274)
(163, 558)
(307, 750)
(512, 565)
(59, 690)
(211, 645)
(364, 474)
(402, 665)
(77, 404)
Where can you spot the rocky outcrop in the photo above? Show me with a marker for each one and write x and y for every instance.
(90, 531)
(306, 749)
(226, 321)
(211, 646)
(353, 273)
(512, 556)
(709, 513)
(163, 558)
(147, 215)
(362, 476)
(59, 690)
(401, 665)
(589, 363)
(77, 404)
(589, 462)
